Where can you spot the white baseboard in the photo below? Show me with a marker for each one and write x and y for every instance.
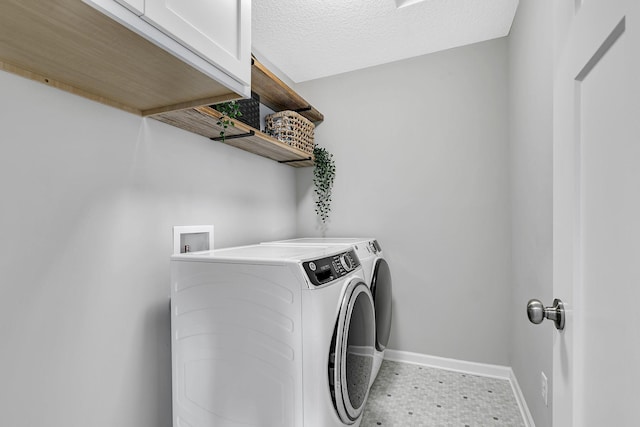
(522, 404)
(463, 366)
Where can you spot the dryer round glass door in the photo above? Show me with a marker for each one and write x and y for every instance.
(353, 351)
(381, 292)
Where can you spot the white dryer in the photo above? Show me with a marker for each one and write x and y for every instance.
(377, 275)
(270, 336)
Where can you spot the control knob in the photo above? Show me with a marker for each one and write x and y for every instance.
(346, 262)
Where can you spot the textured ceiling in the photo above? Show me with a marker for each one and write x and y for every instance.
(309, 39)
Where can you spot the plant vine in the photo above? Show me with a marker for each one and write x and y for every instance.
(230, 110)
(324, 173)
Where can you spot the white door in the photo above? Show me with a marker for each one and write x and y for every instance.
(218, 31)
(596, 271)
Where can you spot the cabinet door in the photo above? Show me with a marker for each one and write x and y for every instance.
(219, 31)
(136, 6)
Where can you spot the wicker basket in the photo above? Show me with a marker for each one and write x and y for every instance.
(291, 128)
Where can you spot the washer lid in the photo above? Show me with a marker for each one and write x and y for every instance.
(322, 241)
(260, 253)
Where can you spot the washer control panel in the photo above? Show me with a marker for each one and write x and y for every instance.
(325, 270)
(374, 247)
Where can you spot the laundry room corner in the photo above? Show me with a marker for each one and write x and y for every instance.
(531, 59)
(433, 192)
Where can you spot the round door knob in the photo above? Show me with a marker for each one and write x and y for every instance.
(538, 312)
(535, 311)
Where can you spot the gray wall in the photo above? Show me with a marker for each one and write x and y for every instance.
(422, 164)
(89, 195)
(531, 160)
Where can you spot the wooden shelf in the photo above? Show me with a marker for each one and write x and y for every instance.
(69, 45)
(277, 95)
(202, 120)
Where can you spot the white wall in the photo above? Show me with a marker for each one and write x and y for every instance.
(422, 164)
(89, 195)
(531, 147)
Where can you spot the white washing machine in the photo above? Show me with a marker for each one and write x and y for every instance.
(268, 335)
(377, 275)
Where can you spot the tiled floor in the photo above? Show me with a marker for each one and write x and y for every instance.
(412, 395)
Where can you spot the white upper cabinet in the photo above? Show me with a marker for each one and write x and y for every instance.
(136, 6)
(219, 29)
(212, 36)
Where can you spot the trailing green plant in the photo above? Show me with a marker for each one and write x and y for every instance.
(324, 173)
(230, 110)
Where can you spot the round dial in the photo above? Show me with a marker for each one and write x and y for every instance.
(346, 262)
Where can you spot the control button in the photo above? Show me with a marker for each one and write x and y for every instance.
(312, 266)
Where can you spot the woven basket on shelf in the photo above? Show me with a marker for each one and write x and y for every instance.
(291, 128)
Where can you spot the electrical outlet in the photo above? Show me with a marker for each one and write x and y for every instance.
(544, 387)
